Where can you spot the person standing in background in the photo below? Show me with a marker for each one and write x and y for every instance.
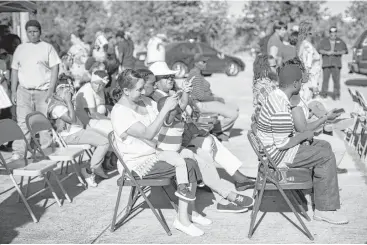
(275, 46)
(156, 50)
(35, 68)
(125, 48)
(332, 49)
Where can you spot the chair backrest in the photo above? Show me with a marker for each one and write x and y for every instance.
(260, 151)
(37, 122)
(353, 95)
(113, 144)
(10, 131)
(361, 99)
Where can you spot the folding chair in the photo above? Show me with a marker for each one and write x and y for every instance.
(37, 122)
(270, 177)
(31, 168)
(127, 179)
(359, 117)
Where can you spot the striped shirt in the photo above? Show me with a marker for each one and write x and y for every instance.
(170, 136)
(275, 127)
(200, 87)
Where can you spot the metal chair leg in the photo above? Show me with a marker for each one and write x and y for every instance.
(116, 208)
(21, 187)
(23, 199)
(53, 191)
(73, 164)
(154, 211)
(295, 212)
(296, 198)
(256, 208)
(61, 186)
(173, 204)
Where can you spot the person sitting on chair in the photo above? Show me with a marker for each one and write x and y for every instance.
(276, 130)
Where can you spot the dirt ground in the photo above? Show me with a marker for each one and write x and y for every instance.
(87, 218)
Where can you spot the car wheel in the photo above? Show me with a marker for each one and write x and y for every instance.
(181, 69)
(232, 69)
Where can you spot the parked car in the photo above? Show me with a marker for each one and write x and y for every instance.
(179, 56)
(359, 62)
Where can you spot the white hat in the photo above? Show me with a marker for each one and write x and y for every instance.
(162, 36)
(160, 68)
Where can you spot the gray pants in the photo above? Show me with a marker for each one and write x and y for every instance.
(94, 138)
(29, 101)
(320, 157)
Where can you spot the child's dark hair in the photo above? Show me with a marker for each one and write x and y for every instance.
(128, 79)
(144, 73)
(161, 103)
(293, 38)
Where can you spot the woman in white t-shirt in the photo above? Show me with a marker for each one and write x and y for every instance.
(136, 124)
(70, 128)
(90, 103)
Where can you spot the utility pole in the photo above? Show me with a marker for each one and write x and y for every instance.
(19, 21)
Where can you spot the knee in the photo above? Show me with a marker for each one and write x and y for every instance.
(192, 170)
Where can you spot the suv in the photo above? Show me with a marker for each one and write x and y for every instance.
(359, 62)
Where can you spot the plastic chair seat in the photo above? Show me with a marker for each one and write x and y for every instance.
(34, 168)
(296, 179)
(146, 182)
(63, 154)
(82, 146)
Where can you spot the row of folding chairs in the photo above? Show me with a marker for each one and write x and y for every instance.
(356, 136)
(43, 161)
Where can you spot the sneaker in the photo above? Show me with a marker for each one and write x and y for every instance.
(245, 185)
(185, 193)
(201, 220)
(191, 230)
(201, 184)
(100, 173)
(89, 178)
(244, 201)
(331, 217)
(230, 208)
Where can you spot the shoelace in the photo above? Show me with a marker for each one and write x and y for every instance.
(239, 198)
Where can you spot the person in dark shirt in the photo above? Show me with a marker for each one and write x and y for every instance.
(125, 48)
(332, 48)
(275, 46)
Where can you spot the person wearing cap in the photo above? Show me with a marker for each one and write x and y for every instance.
(156, 50)
(332, 49)
(277, 132)
(207, 102)
(35, 69)
(125, 48)
(90, 105)
(62, 114)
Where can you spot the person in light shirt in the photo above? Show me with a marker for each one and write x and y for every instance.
(35, 68)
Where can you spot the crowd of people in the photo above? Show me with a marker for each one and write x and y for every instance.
(91, 92)
(290, 118)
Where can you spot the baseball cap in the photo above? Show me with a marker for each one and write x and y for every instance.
(317, 108)
(199, 57)
(333, 29)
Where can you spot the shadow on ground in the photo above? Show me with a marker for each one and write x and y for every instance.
(236, 132)
(15, 215)
(356, 82)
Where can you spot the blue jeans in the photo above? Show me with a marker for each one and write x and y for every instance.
(29, 101)
(320, 158)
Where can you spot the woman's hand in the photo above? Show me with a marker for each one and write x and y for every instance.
(331, 115)
(67, 96)
(171, 103)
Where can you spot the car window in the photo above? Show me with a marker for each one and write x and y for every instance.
(361, 41)
(364, 43)
(208, 50)
(188, 49)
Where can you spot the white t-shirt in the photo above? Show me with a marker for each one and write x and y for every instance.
(134, 151)
(88, 98)
(34, 62)
(57, 113)
(155, 50)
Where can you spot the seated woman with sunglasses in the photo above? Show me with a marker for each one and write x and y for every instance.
(61, 112)
(233, 202)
